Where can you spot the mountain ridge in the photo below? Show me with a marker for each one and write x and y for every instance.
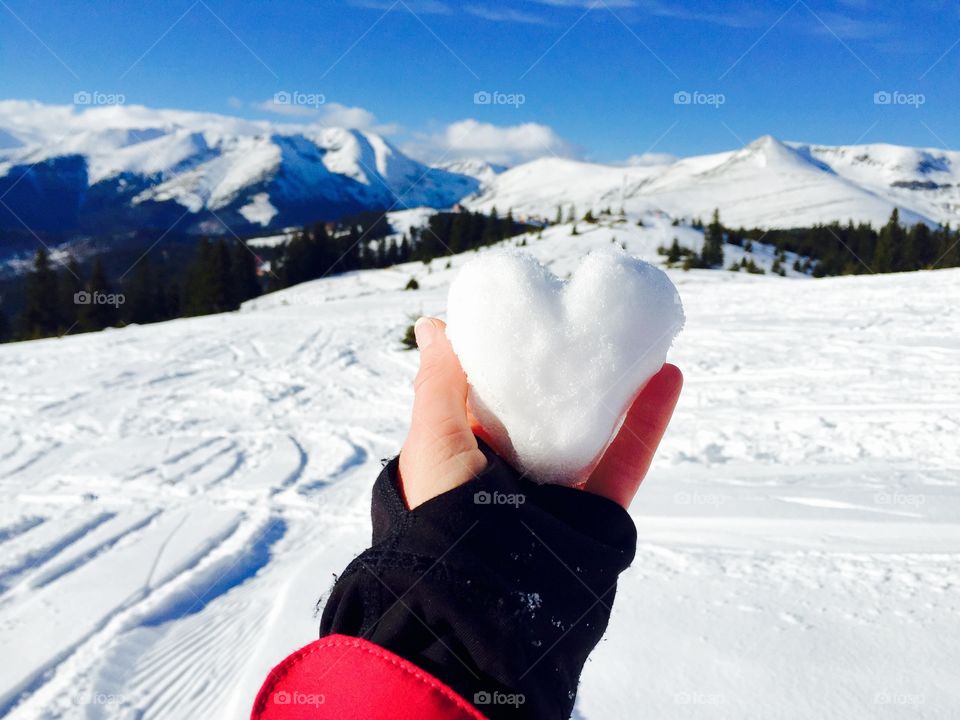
(109, 170)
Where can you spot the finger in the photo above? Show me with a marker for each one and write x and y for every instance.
(440, 388)
(627, 459)
(440, 451)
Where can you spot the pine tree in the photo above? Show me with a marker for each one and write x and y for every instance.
(390, 252)
(922, 246)
(674, 253)
(457, 240)
(209, 288)
(142, 297)
(99, 313)
(70, 287)
(884, 257)
(39, 318)
(492, 231)
(712, 253)
(243, 273)
(948, 248)
(409, 339)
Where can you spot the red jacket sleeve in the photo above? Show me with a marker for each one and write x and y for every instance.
(346, 677)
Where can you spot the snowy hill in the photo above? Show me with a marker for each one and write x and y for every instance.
(768, 183)
(175, 498)
(115, 168)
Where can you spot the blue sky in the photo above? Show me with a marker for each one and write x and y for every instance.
(585, 78)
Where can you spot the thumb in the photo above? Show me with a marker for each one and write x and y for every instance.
(440, 388)
(440, 451)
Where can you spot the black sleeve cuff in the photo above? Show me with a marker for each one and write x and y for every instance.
(500, 587)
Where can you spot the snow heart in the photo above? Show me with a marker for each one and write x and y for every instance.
(552, 364)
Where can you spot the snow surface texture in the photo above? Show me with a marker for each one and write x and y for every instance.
(175, 498)
(553, 365)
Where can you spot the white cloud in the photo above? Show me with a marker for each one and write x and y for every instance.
(649, 159)
(346, 116)
(499, 144)
(333, 114)
(589, 3)
(432, 7)
(505, 15)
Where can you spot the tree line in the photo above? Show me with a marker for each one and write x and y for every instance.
(62, 299)
(320, 250)
(222, 274)
(828, 250)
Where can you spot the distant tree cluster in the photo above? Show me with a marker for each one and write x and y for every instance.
(451, 233)
(223, 274)
(321, 250)
(710, 255)
(61, 299)
(827, 250)
(850, 249)
(221, 277)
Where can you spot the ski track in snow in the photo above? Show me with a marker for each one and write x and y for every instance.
(176, 497)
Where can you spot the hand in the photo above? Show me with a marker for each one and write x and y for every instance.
(441, 451)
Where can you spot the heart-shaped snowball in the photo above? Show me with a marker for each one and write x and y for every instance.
(553, 365)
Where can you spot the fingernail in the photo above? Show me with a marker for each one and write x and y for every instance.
(425, 332)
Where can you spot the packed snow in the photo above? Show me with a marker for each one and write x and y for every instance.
(175, 498)
(553, 365)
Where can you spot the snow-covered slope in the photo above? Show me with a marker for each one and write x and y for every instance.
(175, 498)
(484, 172)
(768, 183)
(129, 167)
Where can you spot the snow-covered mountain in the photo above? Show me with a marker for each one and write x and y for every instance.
(768, 183)
(112, 169)
(484, 172)
(116, 168)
